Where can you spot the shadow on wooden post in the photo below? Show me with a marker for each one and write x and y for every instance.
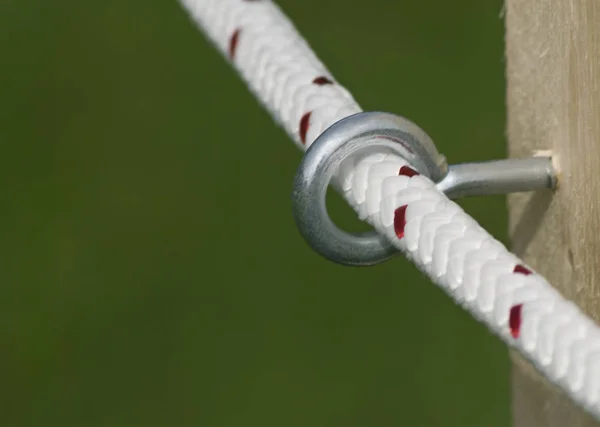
(553, 99)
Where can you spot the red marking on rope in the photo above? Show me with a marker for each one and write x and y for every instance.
(407, 171)
(304, 125)
(400, 221)
(233, 42)
(521, 269)
(514, 320)
(321, 81)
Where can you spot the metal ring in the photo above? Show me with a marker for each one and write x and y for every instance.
(362, 131)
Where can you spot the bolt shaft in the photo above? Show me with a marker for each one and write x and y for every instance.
(498, 177)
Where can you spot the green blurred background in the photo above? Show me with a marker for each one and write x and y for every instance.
(151, 273)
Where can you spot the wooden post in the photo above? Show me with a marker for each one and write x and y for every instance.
(553, 57)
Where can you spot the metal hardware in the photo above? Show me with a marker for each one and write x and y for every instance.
(498, 177)
(384, 132)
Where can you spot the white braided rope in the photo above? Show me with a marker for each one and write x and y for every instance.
(476, 270)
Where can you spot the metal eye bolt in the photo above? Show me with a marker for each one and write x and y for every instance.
(384, 132)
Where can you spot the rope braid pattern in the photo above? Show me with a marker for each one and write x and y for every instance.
(433, 232)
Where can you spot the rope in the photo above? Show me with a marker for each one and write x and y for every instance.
(433, 232)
